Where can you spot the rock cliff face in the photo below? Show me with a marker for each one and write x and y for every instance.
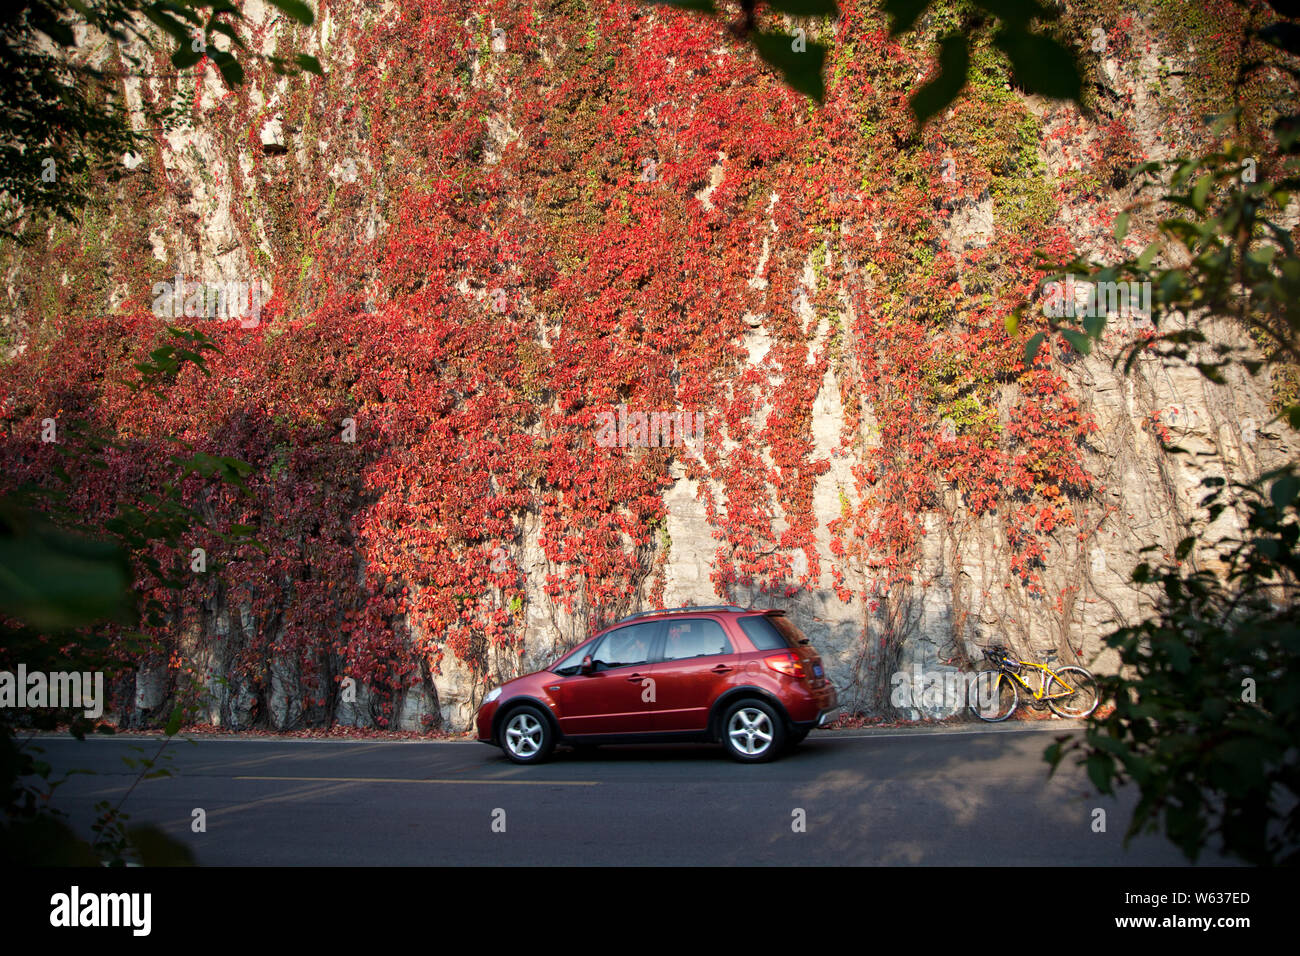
(808, 289)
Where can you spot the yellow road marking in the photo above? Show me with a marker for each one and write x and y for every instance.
(228, 764)
(274, 798)
(508, 783)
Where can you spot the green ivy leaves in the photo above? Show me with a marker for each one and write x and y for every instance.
(1041, 64)
(54, 579)
(954, 63)
(798, 59)
(801, 68)
(52, 133)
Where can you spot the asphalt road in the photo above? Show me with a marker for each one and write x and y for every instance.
(971, 797)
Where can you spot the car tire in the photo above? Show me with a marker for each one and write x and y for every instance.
(752, 732)
(526, 734)
(795, 738)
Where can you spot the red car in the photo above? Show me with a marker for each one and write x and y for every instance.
(747, 679)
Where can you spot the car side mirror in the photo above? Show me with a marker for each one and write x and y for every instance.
(587, 665)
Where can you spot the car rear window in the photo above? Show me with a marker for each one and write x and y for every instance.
(764, 634)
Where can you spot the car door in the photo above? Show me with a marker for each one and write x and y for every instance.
(698, 662)
(612, 698)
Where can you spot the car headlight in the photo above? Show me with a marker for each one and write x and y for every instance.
(492, 695)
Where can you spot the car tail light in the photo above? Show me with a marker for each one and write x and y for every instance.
(788, 663)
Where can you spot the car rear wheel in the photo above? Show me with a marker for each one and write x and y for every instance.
(526, 735)
(752, 732)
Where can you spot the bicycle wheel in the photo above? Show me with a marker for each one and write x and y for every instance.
(1084, 697)
(992, 696)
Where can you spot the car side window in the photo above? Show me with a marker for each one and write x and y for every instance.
(570, 665)
(698, 637)
(625, 646)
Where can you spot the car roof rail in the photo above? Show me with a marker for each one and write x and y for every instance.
(691, 609)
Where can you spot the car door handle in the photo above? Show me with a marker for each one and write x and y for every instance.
(721, 669)
(636, 678)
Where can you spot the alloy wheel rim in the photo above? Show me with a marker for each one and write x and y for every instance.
(750, 731)
(524, 735)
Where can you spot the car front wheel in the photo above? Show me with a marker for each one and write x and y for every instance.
(526, 735)
(752, 732)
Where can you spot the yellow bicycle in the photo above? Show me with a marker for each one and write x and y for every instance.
(994, 694)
